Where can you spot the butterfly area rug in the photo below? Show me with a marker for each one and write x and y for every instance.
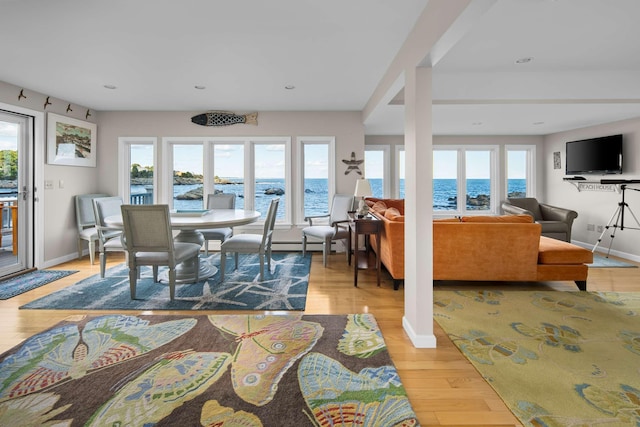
(9, 288)
(241, 370)
(285, 288)
(555, 358)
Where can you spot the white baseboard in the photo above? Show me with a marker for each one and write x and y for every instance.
(418, 341)
(604, 250)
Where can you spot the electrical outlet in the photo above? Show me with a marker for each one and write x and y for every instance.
(600, 228)
(591, 227)
(48, 185)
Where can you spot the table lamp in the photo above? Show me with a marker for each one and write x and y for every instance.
(363, 189)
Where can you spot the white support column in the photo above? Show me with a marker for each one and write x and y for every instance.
(418, 244)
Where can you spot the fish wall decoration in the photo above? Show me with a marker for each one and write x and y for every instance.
(224, 118)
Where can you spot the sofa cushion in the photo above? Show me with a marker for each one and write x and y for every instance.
(393, 214)
(380, 207)
(498, 218)
(552, 251)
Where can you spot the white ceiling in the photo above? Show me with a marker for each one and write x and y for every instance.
(585, 68)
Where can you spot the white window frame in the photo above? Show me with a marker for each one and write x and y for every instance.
(530, 174)
(494, 175)
(398, 149)
(167, 170)
(249, 162)
(301, 141)
(124, 164)
(386, 170)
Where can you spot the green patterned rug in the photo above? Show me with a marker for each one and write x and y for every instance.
(232, 370)
(555, 358)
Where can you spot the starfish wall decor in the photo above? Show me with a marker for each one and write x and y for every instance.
(353, 164)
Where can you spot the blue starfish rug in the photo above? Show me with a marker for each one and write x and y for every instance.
(284, 288)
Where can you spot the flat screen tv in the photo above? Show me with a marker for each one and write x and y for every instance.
(594, 156)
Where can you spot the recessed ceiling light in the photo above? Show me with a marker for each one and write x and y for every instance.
(200, 87)
(538, 123)
(524, 60)
(109, 86)
(476, 123)
(289, 87)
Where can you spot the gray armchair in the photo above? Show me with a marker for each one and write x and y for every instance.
(556, 222)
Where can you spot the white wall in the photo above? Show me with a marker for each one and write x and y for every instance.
(58, 236)
(598, 207)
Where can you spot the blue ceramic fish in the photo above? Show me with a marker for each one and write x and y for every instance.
(224, 118)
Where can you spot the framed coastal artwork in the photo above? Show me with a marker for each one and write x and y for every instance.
(70, 142)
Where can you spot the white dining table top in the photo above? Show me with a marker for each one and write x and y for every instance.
(215, 218)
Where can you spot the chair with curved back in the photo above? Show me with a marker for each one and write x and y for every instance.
(556, 222)
(252, 243)
(149, 241)
(336, 229)
(110, 239)
(86, 222)
(218, 201)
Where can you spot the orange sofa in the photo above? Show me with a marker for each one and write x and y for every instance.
(483, 248)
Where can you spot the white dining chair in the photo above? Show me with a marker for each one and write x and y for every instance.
(110, 239)
(252, 243)
(335, 226)
(86, 223)
(218, 201)
(149, 241)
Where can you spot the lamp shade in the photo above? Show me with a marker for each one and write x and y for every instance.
(363, 188)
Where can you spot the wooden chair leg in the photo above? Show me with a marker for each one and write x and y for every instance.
(133, 277)
(172, 283)
(304, 245)
(223, 259)
(262, 267)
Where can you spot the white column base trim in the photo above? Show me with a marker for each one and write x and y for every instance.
(419, 341)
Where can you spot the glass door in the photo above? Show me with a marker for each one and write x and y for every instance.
(16, 219)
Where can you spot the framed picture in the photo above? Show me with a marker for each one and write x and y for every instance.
(556, 160)
(70, 142)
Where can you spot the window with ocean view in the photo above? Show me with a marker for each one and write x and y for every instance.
(138, 159)
(269, 172)
(228, 170)
(445, 180)
(376, 169)
(186, 184)
(520, 170)
(316, 162)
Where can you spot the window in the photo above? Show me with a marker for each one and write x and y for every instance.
(520, 174)
(400, 171)
(255, 169)
(376, 169)
(228, 170)
(464, 179)
(187, 183)
(137, 167)
(317, 175)
(270, 174)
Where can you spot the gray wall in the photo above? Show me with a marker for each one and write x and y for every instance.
(597, 207)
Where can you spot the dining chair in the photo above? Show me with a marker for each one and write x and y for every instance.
(149, 241)
(252, 243)
(86, 222)
(218, 201)
(336, 228)
(110, 239)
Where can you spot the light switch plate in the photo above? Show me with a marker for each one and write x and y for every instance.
(48, 185)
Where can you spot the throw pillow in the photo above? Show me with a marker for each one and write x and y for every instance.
(394, 214)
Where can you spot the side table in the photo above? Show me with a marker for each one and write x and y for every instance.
(364, 227)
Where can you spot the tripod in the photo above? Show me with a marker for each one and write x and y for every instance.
(619, 220)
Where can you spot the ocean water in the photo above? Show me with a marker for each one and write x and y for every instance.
(316, 194)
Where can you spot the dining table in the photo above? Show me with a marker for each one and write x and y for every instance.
(188, 223)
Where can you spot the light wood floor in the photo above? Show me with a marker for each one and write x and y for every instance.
(442, 385)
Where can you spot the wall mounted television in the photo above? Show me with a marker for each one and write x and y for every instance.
(594, 156)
